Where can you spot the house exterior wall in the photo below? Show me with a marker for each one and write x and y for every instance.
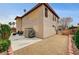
(18, 24)
(42, 25)
(48, 29)
(34, 20)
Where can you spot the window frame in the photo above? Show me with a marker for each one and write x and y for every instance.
(46, 12)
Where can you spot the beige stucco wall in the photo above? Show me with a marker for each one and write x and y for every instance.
(48, 29)
(37, 20)
(18, 24)
(34, 20)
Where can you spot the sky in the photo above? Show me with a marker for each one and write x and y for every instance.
(8, 11)
(67, 10)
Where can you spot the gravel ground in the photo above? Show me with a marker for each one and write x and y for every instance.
(55, 45)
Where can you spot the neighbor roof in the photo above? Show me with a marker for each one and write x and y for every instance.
(35, 7)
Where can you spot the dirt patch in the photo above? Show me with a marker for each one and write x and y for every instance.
(56, 45)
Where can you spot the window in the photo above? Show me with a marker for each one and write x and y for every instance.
(46, 12)
(53, 17)
(57, 20)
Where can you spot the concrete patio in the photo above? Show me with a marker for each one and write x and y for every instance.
(18, 42)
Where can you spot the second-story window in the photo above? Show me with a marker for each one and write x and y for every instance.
(46, 12)
(55, 18)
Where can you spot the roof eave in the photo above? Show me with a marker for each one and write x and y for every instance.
(17, 17)
(39, 4)
(47, 5)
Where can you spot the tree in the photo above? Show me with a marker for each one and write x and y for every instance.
(5, 31)
(78, 24)
(12, 23)
(66, 21)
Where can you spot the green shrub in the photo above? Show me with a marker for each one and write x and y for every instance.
(4, 45)
(5, 31)
(76, 38)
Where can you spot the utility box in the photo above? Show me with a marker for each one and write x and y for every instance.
(29, 33)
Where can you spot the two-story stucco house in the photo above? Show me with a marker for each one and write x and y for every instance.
(42, 18)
